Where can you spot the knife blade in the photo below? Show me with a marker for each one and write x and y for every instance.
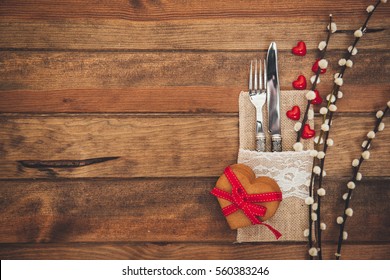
(273, 98)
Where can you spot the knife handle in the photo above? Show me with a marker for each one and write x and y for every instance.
(276, 143)
(260, 142)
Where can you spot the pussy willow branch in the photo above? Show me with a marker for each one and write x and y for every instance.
(328, 118)
(305, 117)
(314, 85)
(348, 56)
(354, 180)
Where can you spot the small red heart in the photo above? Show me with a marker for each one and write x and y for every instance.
(315, 66)
(318, 99)
(299, 49)
(300, 83)
(307, 132)
(294, 113)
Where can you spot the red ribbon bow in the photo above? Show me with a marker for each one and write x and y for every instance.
(240, 199)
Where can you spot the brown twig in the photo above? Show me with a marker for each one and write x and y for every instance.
(299, 133)
(325, 128)
(314, 84)
(352, 184)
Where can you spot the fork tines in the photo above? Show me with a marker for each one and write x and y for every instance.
(257, 80)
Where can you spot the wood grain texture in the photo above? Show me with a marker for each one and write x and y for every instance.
(167, 82)
(162, 10)
(149, 90)
(159, 210)
(97, 70)
(175, 251)
(198, 34)
(173, 99)
(206, 25)
(158, 145)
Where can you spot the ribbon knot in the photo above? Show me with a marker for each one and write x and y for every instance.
(241, 200)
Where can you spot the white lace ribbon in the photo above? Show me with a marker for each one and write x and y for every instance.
(291, 169)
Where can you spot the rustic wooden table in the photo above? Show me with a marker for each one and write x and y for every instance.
(118, 116)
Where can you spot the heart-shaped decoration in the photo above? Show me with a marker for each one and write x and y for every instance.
(307, 132)
(294, 113)
(238, 190)
(300, 83)
(299, 49)
(315, 66)
(318, 99)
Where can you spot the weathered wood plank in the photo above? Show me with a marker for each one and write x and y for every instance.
(196, 34)
(166, 82)
(186, 56)
(191, 99)
(161, 145)
(156, 145)
(159, 210)
(201, 24)
(163, 10)
(81, 70)
(183, 251)
(176, 99)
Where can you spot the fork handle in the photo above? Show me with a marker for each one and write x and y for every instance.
(260, 142)
(276, 143)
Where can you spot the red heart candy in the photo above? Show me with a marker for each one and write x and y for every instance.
(307, 132)
(318, 99)
(299, 49)
(300, 83)
(294, 113)
(315, 66)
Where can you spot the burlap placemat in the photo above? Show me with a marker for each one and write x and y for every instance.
(290, 169)
(247, 119)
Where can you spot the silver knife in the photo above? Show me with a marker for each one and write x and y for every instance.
(273, 98)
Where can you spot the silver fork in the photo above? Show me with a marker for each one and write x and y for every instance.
(257, 93)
